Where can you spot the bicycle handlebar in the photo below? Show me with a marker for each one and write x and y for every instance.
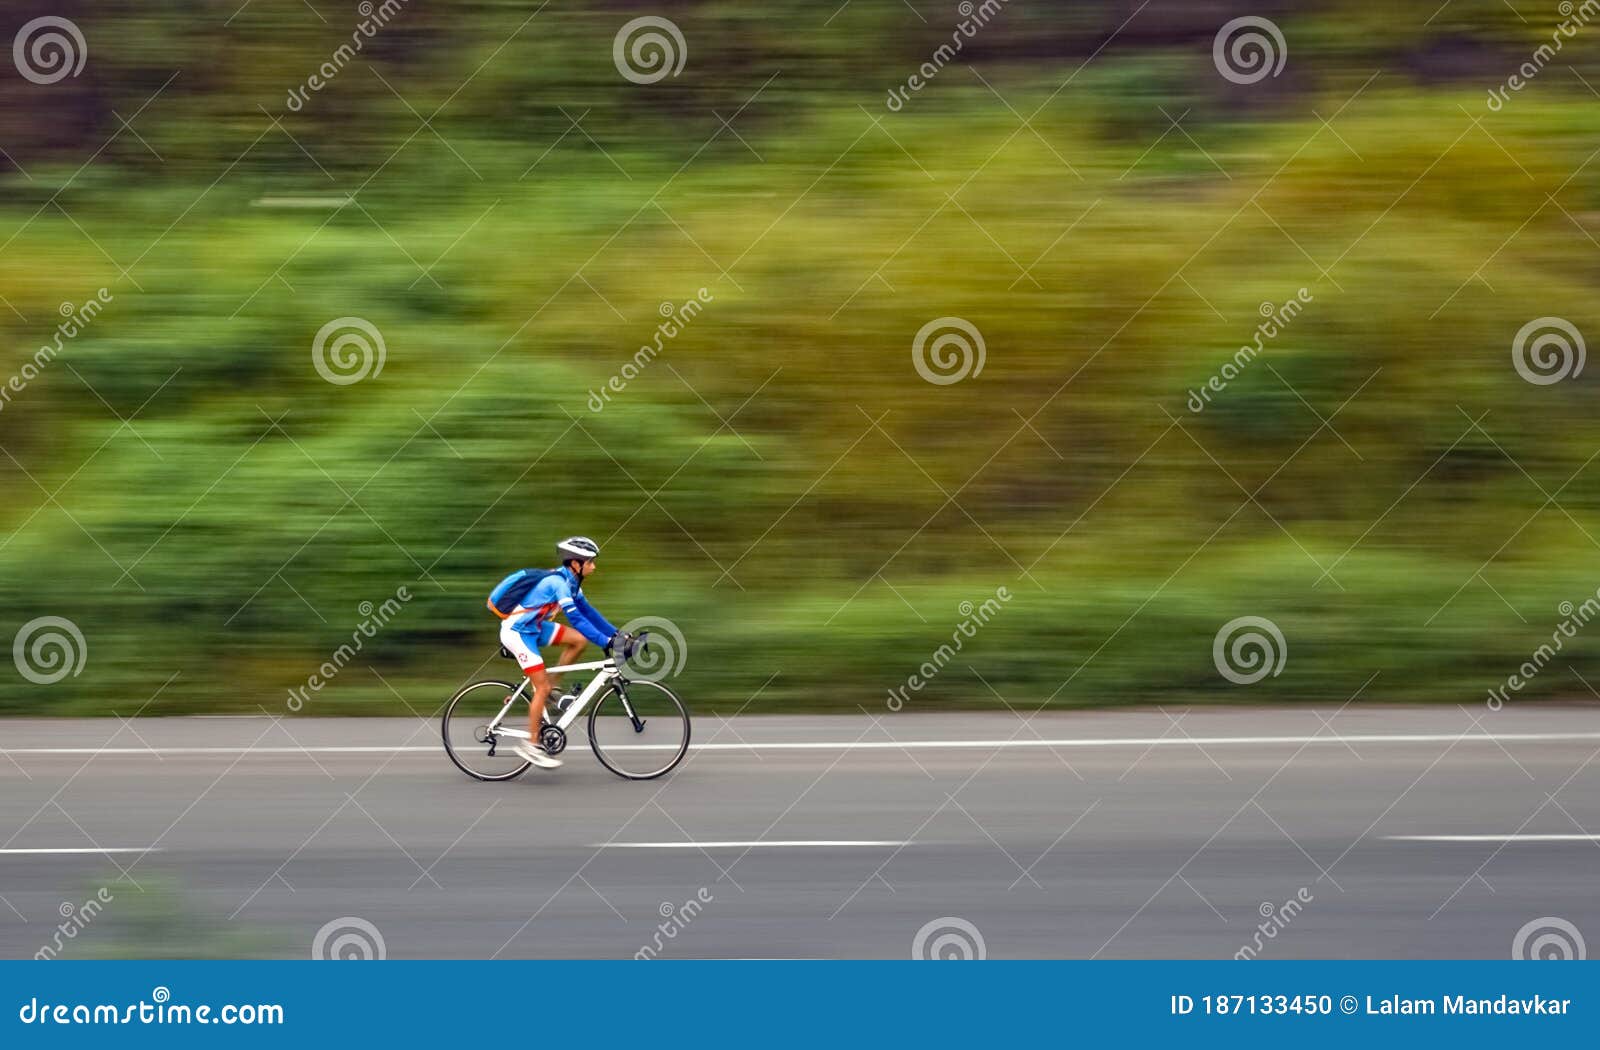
(641, 644)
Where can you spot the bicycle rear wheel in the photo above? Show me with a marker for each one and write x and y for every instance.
(639, 731)
(467, 739)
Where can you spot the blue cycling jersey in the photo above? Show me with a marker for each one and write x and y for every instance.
(560, 590)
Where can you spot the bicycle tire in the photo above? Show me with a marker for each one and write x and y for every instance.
(510, 767)
(613, 696)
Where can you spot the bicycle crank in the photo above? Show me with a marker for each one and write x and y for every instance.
(553, 738)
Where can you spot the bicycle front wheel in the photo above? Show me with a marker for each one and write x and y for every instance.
(467, 739)
(640, 730)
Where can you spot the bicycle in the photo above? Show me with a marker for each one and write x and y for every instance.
(624, 711)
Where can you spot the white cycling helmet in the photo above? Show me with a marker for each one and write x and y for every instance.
(581, 548)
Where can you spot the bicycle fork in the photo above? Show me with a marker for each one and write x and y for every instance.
(627, 706)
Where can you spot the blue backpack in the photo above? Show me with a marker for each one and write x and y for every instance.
(509, 592)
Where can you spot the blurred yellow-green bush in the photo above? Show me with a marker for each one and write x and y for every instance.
(482, 186)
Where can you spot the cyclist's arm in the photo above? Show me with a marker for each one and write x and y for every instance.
(578, 615)
(594, 614)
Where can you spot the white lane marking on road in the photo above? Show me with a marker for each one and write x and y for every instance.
(73, 850)
(1494, 838)
(883, 745)
(786, 843)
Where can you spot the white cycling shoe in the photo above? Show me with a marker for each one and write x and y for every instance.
(536, 755)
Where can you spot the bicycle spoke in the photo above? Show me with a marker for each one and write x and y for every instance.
(639, 734)
(471, 730)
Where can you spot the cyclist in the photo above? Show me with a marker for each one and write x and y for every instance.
(528, 627)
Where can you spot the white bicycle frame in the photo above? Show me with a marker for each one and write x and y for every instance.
(608, 673)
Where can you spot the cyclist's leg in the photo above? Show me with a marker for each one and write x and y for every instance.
(532, 664)
(572, 643)
(541, 689)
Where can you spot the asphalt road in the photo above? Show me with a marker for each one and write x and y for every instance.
(1130, 834)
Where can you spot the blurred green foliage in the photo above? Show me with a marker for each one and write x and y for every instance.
(779, 482)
